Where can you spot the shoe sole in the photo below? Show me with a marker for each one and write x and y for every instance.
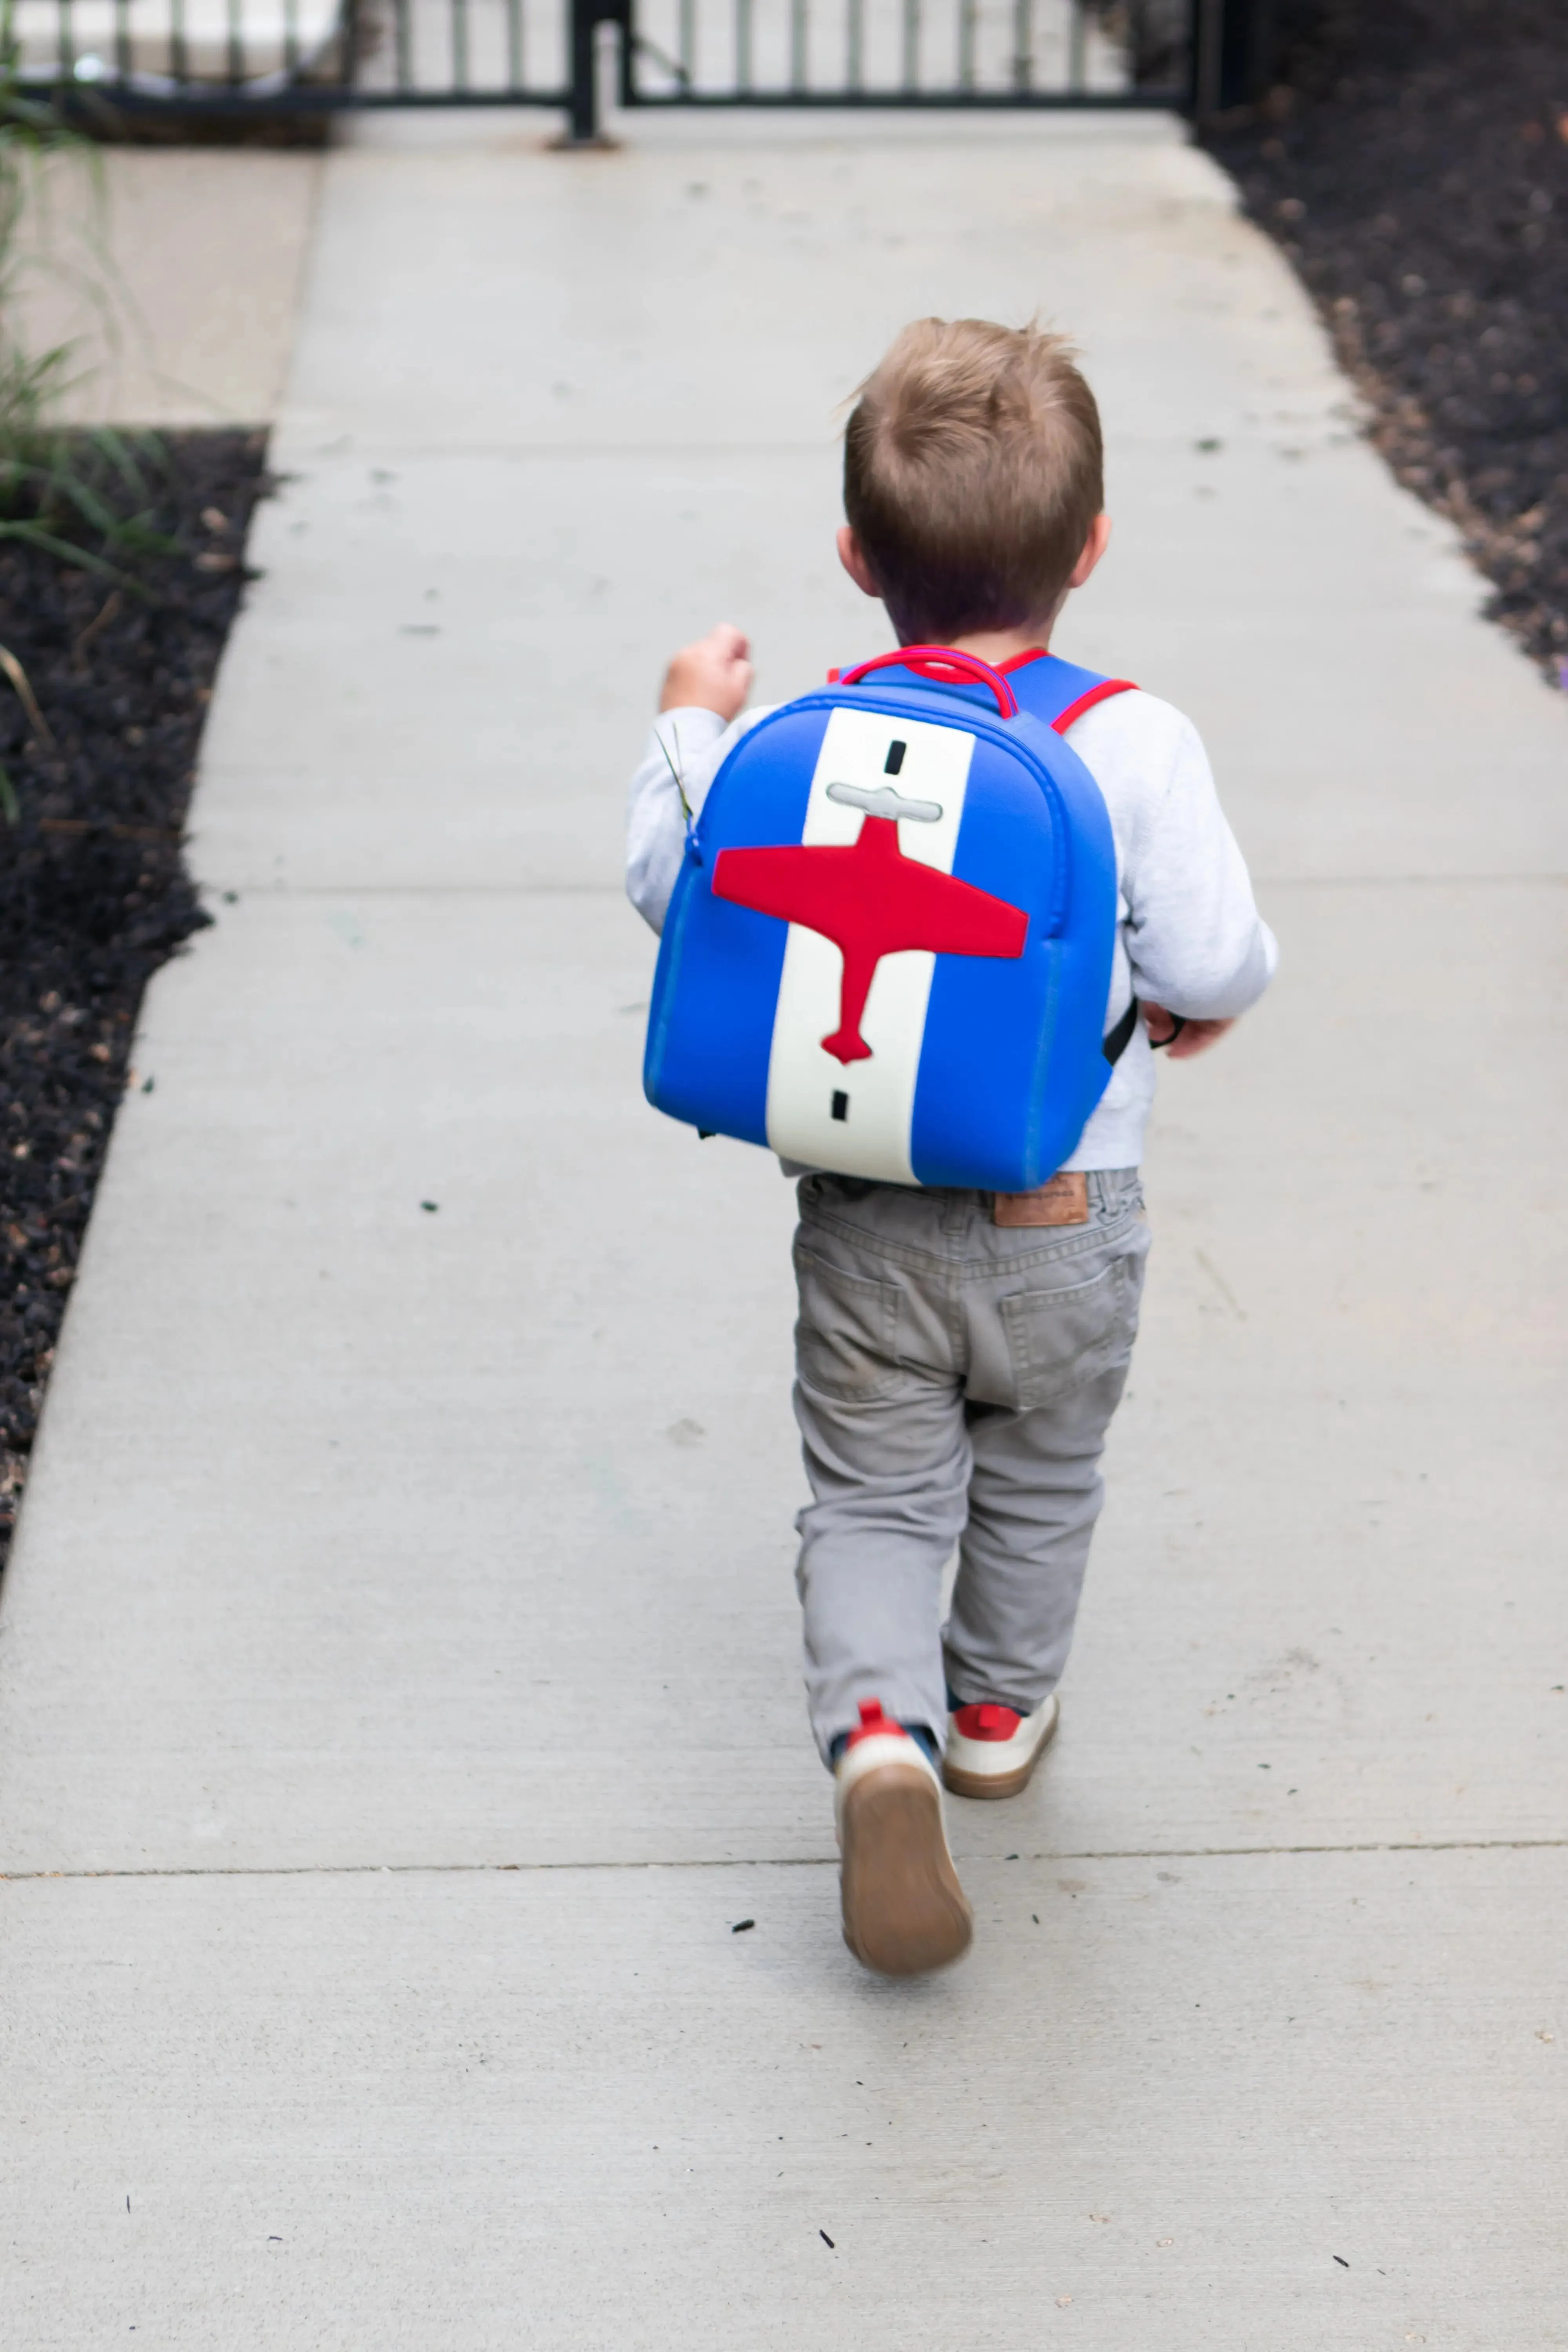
(996, 1784)
(904, 1910)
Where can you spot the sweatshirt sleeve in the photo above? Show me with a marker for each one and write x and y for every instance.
(692, 745)
(1196, 941)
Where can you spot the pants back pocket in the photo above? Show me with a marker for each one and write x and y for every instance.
(1061, 1339)
(847, 1332)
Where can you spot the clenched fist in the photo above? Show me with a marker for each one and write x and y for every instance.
(714, 673)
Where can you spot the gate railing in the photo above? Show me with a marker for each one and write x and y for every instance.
(246, 56)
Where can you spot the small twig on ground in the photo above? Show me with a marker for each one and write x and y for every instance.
(110, 607)
(29, 700)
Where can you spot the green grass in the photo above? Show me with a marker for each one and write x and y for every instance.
(85, 497)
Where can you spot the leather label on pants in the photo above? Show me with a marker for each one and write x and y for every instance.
(1063, 1202)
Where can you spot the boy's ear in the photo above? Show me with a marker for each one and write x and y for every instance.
(1094, 547)
(854, 561)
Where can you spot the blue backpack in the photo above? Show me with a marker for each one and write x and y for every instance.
(889, 946)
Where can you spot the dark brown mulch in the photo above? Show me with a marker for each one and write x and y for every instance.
(1413, 160)
(93, 892)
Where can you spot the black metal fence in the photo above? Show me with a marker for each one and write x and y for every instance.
(214, 57)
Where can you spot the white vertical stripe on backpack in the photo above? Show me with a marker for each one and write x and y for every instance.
(873, 1139)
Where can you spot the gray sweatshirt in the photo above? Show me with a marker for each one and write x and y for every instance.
(1189, 936)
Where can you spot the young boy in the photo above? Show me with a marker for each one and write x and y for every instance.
(959, 1355)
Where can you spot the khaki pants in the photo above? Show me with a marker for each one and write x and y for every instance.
(954, 1382)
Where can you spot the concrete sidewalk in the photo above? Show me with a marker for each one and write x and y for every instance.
(171, 274)
(400, 1702)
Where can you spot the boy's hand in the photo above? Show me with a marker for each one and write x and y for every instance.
(714, 673)
(1196, 1037)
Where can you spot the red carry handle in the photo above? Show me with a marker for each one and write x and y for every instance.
(929, 661)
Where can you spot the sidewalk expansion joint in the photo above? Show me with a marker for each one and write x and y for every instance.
(776, 1862)
(298, 462)
(244, 891)
(1548, 878)
(271, 891)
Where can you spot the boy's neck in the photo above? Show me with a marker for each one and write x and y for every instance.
(999, 645)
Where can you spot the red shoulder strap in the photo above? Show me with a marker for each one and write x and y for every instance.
(1100, 693)
(1075, 711)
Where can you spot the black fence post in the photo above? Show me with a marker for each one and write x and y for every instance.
(1233, 54)
(583, 124)
(583, 128)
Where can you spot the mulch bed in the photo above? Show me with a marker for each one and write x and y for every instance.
(93, 892)
(1413, 160)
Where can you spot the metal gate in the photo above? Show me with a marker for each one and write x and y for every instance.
(886, 53)
(242, 58)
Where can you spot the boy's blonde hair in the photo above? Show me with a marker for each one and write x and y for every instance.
(973, 473)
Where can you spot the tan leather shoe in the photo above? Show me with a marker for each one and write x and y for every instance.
(992, 1750)
(904, 1910)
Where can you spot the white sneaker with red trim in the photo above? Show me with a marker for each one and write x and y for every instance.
(992, 1750)
(904, 1910)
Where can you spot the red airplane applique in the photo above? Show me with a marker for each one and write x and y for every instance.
(871, 900)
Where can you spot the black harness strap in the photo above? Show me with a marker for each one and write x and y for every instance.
(1120, 1037)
